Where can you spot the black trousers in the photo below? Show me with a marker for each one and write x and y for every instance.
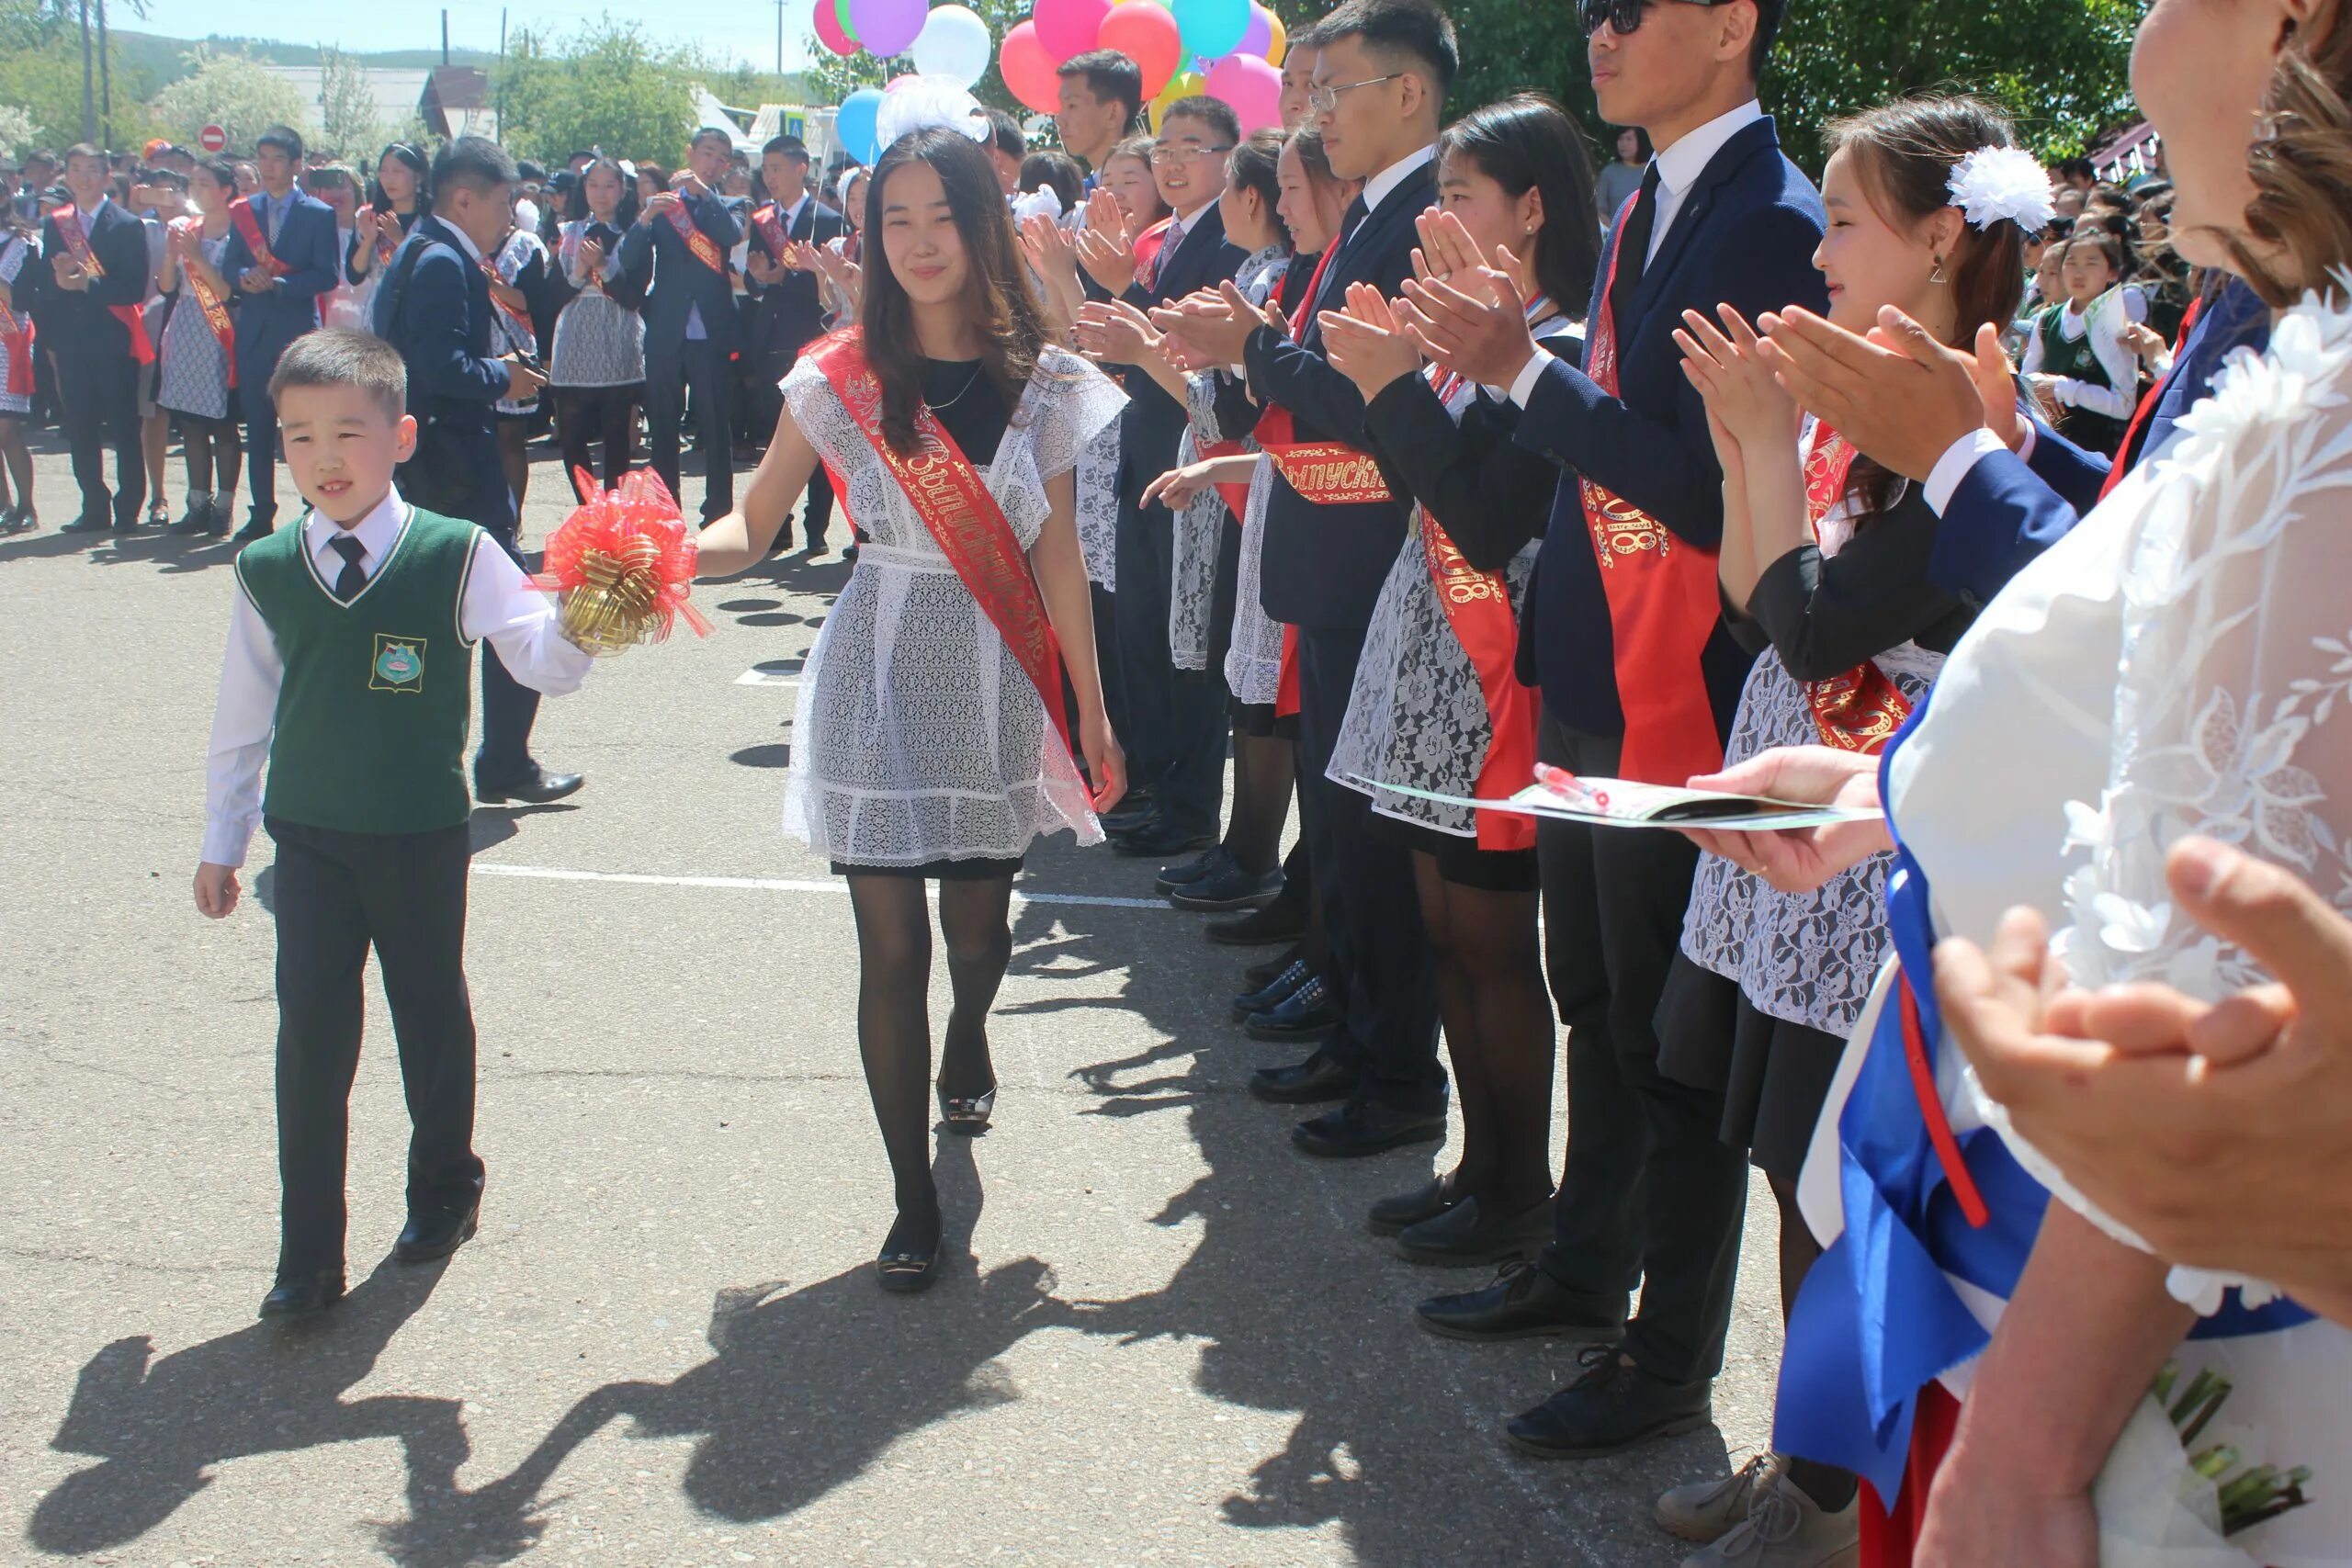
(261, 438)
(669, 372)
(1650, 1194)
(509, 708)
(1381, 969)
(1178, 717)
(336, 895)
(100, 394)
(588, 415)
(1113, 676)
(817, 502)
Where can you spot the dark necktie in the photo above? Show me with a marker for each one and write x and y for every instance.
(353, 576)
(1358, 210)
(1633, 250)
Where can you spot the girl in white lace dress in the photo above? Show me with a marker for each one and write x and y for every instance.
(924, 748)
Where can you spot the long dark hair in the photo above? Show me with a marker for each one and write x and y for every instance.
(997, 297)
(405, 153)
(1906, 151)
(1528, 142)
(575, 202)
(1253, 167)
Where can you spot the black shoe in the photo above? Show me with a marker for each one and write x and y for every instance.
(1274, 992)
(1464, 1237)
(969, 1116)
(1316, 1079)
(85, 524)
(1136, 809)
(1258, 976)
(908, 1261)
(1614, 1406)
(1231, 888)
(535, 788)
(252, 531)
(198, 517)
(1184, 873)
(1279, 921)
(436, 1235)
(1424, 1202)
(1305, 1014)
(1524, 1302)
(1362, 1127)
(1160, 839)
(302, 1295)
(129, 524)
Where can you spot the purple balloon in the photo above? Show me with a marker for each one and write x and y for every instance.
(887, 27)
(1259, 35)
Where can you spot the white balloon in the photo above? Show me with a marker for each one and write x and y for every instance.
(953, 42)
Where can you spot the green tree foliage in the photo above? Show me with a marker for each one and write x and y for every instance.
(231, 90)
(40, 75)
(347, 108)
(606, 86)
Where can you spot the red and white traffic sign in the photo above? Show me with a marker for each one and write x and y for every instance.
(213, 139)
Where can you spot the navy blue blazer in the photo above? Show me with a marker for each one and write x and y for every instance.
(1743, 236)
(791, 311)
(1153, 423)
(440, 323)
(2008, 510)
(1323, 565)
(84, 319)
(661, 263)
(267, 323)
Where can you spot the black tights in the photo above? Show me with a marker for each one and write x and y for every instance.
(584, 415)
(1828, 1486)
(1263, 768)
(214, 452)
(1498, 1034)
(893, 1019)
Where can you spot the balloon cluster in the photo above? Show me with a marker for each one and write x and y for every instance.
(1227, 49)
(947, 40)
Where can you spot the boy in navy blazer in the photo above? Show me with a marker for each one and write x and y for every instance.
(91, 328)
(282, 255)
(787, 314)
(676, 252)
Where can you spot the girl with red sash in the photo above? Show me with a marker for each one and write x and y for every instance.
(399, 196)
(933, 742)
(18, 246)
(1825, 557)
(1437, 705)
(197, 374)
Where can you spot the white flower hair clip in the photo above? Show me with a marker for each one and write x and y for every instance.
(928, 102)
(1996, 183)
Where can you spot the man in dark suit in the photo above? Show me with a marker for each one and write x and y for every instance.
(788, 313)
(679, 242)
(97, 254)
(1381, 80)
(1640, 678)
(1176, 718)
(282, 255)
(435, 306)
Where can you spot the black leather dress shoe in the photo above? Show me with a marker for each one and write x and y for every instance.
(1258, 976)
(1208, 863)
(1274, 992)
(1464, 1235)
(1613, 1406)
(86, 523)
(1359, 1128)
(1305, 1014)
(1424, 1202)
(1229, 888)
(1160, 839)
(1311, 1082)
(1280, 921)
(436, 1235)
(1524, 1302)
(129, 524)
(535, 788)
(1137, 807)
(301, 1295)
(252, 531)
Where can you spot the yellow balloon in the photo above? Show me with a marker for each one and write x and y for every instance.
(1277, 42)
(1183, 85)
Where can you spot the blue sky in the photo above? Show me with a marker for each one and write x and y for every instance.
(728, 28)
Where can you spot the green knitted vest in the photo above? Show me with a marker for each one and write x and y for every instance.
(378, 692)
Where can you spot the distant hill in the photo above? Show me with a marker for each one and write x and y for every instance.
(164, 59)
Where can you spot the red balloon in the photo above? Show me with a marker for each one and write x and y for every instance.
(830, 32)
(1068, 27)
(1028, 71)
(1148, 35)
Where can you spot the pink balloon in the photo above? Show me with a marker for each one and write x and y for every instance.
(894, 83)
(1069, 28)
(1028, 70)
(1261, 32)
(1253, 88)
(886, 27)
(829, 30)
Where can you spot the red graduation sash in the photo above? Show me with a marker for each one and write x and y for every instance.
(1329, 473)
(68, 224)
(705, 248)
(953, 503)
(1862, 709)
(1234, 496)
(1286, 687)
(1477, 607)
(214, 308)
(389, 234)
(769, 223)
(1663, 603)
(519, 322)
(17, 338)
(240, 213)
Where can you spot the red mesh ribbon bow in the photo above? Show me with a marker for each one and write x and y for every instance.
(624, 561)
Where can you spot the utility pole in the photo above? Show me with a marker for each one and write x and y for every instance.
(502, 71)
(445, 37)
(779, 37)
(106, 85)
(89, 92)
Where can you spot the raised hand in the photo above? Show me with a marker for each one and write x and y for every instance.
(1480, 334)
(1115, 333)
(1447, 252)
(1365, 344)
(1740, 390)
(1108, 255)
(1214, 326)
(1899, 395)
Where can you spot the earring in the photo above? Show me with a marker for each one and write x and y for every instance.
(1936, 275)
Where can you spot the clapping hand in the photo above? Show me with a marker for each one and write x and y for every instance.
(1106, 248)
(1052, 250)
(843, 274)
(1115, 333)
(1472, 320)
(363, 226)
(660, 202)
(1898, 397)
(1365, 344)
(1448, 251)
(592, 259)
(1742, 397)
(1215, 326)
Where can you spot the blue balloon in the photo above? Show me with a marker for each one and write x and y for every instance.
(855, 124)
(1211, 29)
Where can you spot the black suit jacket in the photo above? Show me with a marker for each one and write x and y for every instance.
(1323, 565)
(661, 263)
(84, 319)
(1153, 423)
(790, 312)
(434, 306)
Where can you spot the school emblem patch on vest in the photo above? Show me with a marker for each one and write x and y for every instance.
(399, 665)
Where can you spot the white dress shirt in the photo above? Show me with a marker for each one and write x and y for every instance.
(1377, 189)
(1678, 168)
(1960, 459)
(500, 604)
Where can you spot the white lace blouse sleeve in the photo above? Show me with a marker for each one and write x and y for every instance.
(1200, 405)
(1074, 406)
(824, 422)
(2233, 702)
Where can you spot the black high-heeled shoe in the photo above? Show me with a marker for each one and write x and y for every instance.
(906, 1271)
(968, 1116)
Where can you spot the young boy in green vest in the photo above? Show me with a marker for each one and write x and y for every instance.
(350, 673)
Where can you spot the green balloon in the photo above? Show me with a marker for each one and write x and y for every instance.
(841, 15)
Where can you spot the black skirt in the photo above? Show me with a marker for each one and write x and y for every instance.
(1774, 1075)
(981, 869)
(1259, 720)
(1460, 861)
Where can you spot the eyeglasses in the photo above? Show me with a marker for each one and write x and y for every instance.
(1168, 153)
(1326, 100)
(1624, 17)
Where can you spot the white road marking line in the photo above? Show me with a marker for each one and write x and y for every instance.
(758, 677)
(786, 885)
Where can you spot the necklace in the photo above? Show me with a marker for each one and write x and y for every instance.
(969, 382)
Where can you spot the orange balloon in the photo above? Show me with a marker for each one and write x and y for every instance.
(1278, 40)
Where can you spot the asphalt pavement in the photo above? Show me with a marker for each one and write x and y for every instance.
(1162, 1336)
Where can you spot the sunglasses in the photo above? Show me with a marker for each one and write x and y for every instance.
(1624, 17)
